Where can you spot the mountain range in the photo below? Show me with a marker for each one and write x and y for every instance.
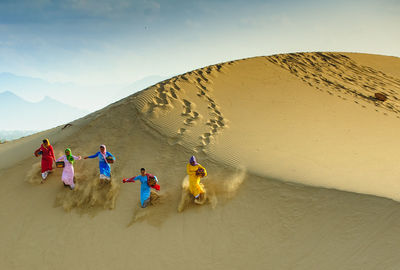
(19, 114)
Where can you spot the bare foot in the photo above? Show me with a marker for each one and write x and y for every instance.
(201, 199)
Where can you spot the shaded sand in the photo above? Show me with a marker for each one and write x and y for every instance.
(258, 125)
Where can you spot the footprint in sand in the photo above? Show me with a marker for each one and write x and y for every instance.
(190, 115)
(169, 90)
(166, 91)
(181, 131)
(205, 138)
(173, 94)
(328, 69)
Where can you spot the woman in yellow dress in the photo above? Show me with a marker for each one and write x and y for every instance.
(196, 172)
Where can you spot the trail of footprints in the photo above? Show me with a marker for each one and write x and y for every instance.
(339, 75)
(166, 91)
(169, 90)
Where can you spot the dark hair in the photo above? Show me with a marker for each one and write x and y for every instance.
(44, 141)
(142, 169)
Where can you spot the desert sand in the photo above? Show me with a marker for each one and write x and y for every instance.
(302, 162)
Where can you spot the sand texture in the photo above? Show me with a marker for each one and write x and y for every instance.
(302, 173)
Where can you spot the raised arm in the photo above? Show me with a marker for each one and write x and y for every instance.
(77, 158)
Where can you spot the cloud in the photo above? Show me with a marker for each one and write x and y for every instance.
(75, 11)
(102, 42)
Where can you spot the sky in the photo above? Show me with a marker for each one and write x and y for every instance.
(97, 48)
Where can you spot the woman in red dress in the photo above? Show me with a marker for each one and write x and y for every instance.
(47, 152)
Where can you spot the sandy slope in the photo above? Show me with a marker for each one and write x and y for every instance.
(324, 129)
(306, 118)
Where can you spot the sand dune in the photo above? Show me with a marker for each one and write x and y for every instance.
(264, 114)
(263, 127)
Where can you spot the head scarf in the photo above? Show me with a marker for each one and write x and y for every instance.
(48, 142)
(104, 153)
(193, 159)
(69, 157)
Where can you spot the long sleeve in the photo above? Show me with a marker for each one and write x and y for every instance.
(76, 158)
(51, 151)
(60, 158)
(37, 151)
(130, 180)
(94, 156)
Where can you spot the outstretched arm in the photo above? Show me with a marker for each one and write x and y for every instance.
(60, 158)
(129, 180)
(92, 156)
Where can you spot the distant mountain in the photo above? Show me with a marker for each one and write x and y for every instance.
(91, 97)
(32, 89)
(7, 135)
(21, 115)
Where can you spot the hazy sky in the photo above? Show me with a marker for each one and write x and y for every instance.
(102, 45)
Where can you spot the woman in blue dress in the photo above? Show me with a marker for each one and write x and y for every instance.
(104, 166)
(146, 195)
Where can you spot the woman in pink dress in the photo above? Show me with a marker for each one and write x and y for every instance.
(68, 171)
